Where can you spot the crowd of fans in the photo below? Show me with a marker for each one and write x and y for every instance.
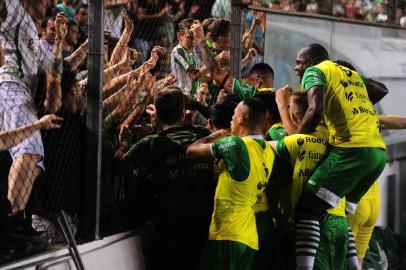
(166, 86)
(376, 11)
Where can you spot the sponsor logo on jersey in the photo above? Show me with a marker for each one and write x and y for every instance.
(304, 172)
(300, 141)
(315, 155)
(349, 96)
(316, 140)
(301, 155)
(364, 110)
(346, 83)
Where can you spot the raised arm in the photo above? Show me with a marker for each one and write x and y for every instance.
(77, 57)
(53, 95)
(314, 112)
(141, 13)
(122, 67)
(109, 4)
(202, 147)
(282, 97)
(13, 137)
(119, 50)
(221, 76)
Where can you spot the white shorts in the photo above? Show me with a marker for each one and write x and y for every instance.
(16, 110)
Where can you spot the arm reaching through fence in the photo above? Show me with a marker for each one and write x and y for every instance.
(13, 137)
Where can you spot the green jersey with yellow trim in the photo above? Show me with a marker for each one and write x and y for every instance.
(276, 132)
(349, 114)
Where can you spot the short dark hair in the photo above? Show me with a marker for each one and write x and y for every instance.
(345, 64)
(317, 52)
(268, 98)
(170, 105)
(220, 28)
(184, 24)
(221, 114)
(208, 25)
(261, 69)
(80, 6)
(300, 99)
(256, 112)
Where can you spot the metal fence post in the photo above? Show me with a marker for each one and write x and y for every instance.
(94, 120)
(236, 35)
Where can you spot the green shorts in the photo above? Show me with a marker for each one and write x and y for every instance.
(226, 255)
(333, 246)
(348, 172)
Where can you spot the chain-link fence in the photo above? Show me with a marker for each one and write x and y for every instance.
(44, 116)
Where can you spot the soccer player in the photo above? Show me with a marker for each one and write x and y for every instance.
(246, 164)
(22, 59)
(305, 152)
(357, 154)
(183, 188)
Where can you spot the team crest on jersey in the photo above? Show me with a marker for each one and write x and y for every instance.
(300, 141)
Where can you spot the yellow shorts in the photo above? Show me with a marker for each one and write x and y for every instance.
(363, 221)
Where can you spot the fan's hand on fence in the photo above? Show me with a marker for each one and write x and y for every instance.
(50, 121)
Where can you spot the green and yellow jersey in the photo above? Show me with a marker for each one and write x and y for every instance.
(246, 166)
(305, 153)
(244, 90)
(349, 114)
(276, 132)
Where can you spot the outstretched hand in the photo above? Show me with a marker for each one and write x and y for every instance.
(50, 121)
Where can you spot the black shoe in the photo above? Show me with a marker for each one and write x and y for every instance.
(20, 228)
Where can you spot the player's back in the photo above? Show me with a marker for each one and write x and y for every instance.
(349, 114)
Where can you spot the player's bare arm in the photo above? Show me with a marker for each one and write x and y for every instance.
(392, 122)
(221, 76)
(315, 110)
(202, 146)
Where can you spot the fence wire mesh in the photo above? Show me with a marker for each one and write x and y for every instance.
(150, 46)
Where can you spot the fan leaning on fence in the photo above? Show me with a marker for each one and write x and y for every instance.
(23, 58)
